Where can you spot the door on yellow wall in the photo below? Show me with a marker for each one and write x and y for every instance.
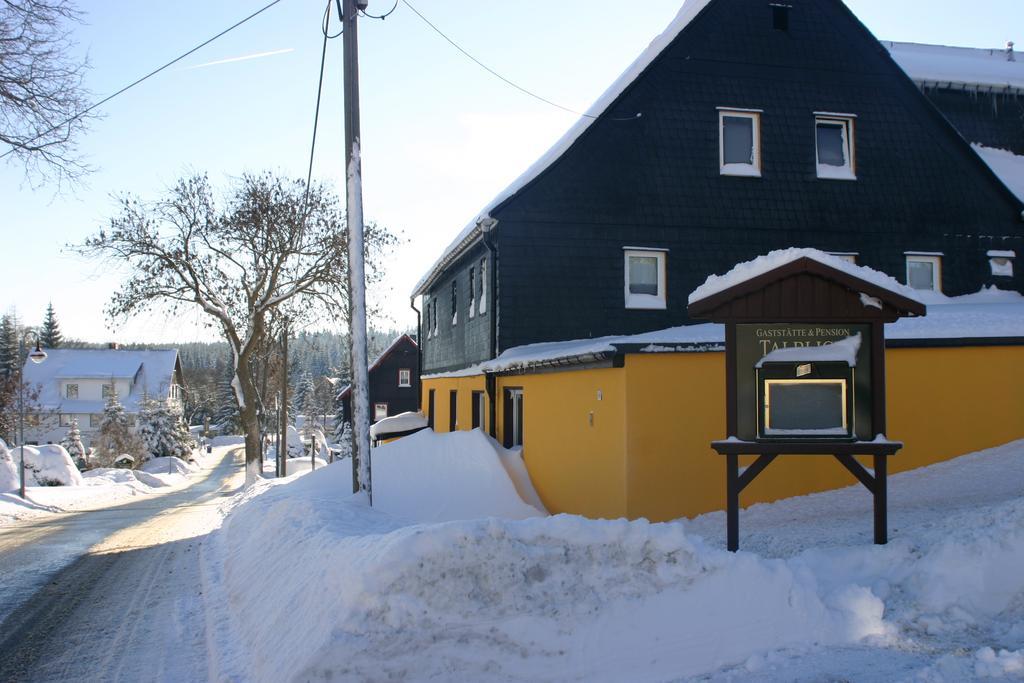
(478, 409)
(453, 408)
(430, 409)
(513, 417)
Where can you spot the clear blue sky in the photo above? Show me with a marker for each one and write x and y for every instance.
(440, 135)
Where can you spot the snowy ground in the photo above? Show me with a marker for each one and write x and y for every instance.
(295, 579)
(112, 593)
(371, 596)
(100, 488)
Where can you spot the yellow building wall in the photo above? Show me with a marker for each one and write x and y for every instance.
(443, 386)
(647, 453)
(574, 428)
(942, 402)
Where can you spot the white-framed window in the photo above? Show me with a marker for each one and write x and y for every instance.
(71, 392)
(739, 142)
(405, 377)
(1001, 262)
(380, 411)
(435, 317)
(645, 277)
(94, 420)
(107, 391)
(848, 256)
(483, 285)
(924, 271)
(65, 419)
(472, 292)
(835, 152)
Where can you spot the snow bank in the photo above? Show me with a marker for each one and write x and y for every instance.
(428, 477)
(567, 598)
(561, 598)
(168, 465)
(9, 480)
(48, 465)
(102, 476)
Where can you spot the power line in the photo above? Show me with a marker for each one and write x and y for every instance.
(489, 69)
(147, 76)
(382, 17)
(319, 92)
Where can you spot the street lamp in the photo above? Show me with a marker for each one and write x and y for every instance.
(37, 355)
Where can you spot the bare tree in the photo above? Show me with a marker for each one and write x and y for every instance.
(43, 105)
(273, 250)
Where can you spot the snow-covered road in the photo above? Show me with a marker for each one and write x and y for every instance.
(115, 593)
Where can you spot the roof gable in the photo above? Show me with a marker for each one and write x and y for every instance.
(689, 11)
(713, 47)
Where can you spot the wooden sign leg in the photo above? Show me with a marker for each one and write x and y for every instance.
(881, 500)
(732, 504)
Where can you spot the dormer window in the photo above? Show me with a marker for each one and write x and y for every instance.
(739, 142)
(834, 146)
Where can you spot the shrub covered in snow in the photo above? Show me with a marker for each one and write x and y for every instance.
(8, 470)
(49, 465)
(72, 443)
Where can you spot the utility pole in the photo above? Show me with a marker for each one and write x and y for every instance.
(361, 476)
(282, 453)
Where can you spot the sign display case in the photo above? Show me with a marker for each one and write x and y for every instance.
(805, 369)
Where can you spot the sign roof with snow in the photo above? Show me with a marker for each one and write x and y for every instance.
(803, 284)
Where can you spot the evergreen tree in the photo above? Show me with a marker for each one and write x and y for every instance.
(226, 416)
(10, 358)
(115, 437)
(50, 337)
(73, 444)
(162, 431)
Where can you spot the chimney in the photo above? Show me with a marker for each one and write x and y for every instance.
(1010, 56)
(113, 345)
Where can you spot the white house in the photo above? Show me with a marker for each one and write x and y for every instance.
(76, 383)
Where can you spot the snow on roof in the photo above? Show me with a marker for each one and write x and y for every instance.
(843, 351)
(403, 422)
(1005, 164)
(747, 270)
(687, 13)
(990, 313)
(154, 367)
(962, 66)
